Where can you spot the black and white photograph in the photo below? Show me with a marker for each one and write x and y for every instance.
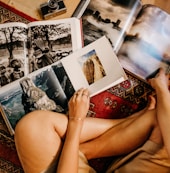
(25, 48)
(142, 53)
(48, 44)
(92, 67)
(13, 41)
(111, 18)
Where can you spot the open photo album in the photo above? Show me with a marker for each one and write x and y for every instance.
(139, 34)
(25, 48)
(95, 67)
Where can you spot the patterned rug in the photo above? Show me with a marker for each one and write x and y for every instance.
(116, 102)
(9, 162)
(9, 14)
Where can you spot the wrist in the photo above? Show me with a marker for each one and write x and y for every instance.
(76, 118)
(162, 90)
(74, 127)
(75, 122)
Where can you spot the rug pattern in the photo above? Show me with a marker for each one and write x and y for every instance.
(116, 102)
(9, 162)
(121, 100)
(9, 14)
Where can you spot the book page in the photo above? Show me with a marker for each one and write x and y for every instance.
(39, 90)
(95, 67)
(110, 18)
(13, 51)
(50, 41)
(63, 79)
(146, 46)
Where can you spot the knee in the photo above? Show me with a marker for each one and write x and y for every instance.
(40, 123)
(36, 123)
(35, 133)
(29, 124)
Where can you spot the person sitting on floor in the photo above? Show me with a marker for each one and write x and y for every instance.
(49, 142)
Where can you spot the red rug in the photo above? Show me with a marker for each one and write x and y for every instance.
(117, 102)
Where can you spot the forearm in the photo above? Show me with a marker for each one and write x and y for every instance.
(163, 115)
(78, 108)
(161, 85)
(69, 155)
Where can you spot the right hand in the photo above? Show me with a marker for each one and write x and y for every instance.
(79, 104)
(160, 81)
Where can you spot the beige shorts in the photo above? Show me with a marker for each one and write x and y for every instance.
(83, 166)
(150, 157)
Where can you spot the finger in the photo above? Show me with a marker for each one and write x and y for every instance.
(161, 71)
(74, 96)
(149, 81)
(85, 93)
(158, 73)
(78, 93)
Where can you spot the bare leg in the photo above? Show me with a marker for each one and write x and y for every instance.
(124, 137)
(39, 135)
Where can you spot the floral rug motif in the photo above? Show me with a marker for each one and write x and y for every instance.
(116, 102)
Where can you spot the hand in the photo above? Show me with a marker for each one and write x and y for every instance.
(160, 81)
(79, 104)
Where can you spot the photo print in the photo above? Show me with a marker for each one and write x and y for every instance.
(12, 61)
(92, 67)
(48, 44)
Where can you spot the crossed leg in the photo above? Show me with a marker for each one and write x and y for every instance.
(127, 135)
(39, 136)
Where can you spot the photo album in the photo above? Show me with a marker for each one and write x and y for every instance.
(139, 34)
(25, 48)
(95, 67)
